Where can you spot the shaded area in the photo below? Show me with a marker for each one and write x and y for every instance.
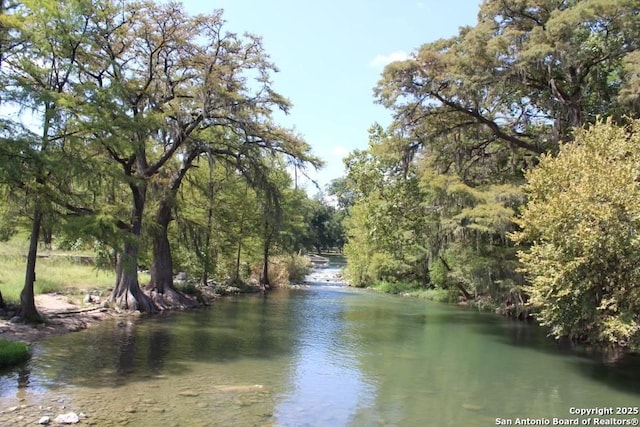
(118, 352)
(614, 367)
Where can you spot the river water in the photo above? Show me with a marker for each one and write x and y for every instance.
(321, 355)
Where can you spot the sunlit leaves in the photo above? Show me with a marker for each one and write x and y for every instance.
(518, 81)
(582, 220)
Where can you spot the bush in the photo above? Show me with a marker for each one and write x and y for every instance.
(395, 287)
(285, 269)
(298, 267)
(582, 222)
(447, 296)
(13, 353)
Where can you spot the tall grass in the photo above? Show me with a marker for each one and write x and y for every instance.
(56, 273)
(286, 269)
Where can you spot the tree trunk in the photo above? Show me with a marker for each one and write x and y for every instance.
(47, 232)
(236, 273)
(264, 277)
(236, 278)
(28, 311)
(163, 293)
(459, 285)
(208, 261)
(126, 293)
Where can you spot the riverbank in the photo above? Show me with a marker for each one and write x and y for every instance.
(64, 314)
(61, 317)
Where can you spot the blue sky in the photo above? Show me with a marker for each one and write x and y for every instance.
(331, 54)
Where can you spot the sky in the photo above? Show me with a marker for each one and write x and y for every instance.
(330, 55)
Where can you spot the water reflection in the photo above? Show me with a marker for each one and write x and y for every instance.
(326, 385)
(322, 355)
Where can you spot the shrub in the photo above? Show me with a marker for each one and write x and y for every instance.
(13, 353)
(285, 269)
(582, 221)
(447, 296)
(391, 287)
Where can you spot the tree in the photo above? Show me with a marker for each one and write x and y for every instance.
(515, 85)
(325, 226)
(48, 42)
(246, 138)
(388, 224)
(160, 75)
(582, 221)
(472, 113)
(220, 66)
(339, 189)
(216, 223)
(172, 81)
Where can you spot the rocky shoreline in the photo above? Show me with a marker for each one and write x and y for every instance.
(62, 315)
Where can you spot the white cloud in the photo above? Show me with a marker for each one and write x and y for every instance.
(421, 5)
(382, 60)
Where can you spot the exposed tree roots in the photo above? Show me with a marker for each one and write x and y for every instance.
(172, 299)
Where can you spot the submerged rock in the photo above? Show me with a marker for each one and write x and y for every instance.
(239, 388)
(189, 393)
(472, 407)
(69, 418)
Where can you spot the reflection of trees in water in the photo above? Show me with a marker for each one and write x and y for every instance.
(159, 349)
(125, 338)
(24, 378)
(250, 326)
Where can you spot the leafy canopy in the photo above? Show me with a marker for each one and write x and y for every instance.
(583, 222)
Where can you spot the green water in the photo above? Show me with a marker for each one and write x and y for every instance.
(326, 355)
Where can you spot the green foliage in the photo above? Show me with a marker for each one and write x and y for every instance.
(13, 353)
(389, 228)
(218, 232)
(55, 274)
(515, 84)
(120, 134)
(396, 288)
(446, 296)
(413, 224)
(339, 188)
(215, 215)
(582, 221)
(326, 230)
(433, 199)
(438, 274)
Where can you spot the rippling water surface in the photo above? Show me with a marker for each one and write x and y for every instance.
(322, 355)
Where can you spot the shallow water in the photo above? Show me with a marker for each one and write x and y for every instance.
(322, 355)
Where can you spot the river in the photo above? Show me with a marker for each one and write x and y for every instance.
(321, 355)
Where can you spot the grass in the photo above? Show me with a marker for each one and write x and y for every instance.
(13, 353)
(56, 273)
(415, 290)
(395, 287)
(446, 296)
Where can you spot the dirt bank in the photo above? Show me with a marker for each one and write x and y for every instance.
(61, 317)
